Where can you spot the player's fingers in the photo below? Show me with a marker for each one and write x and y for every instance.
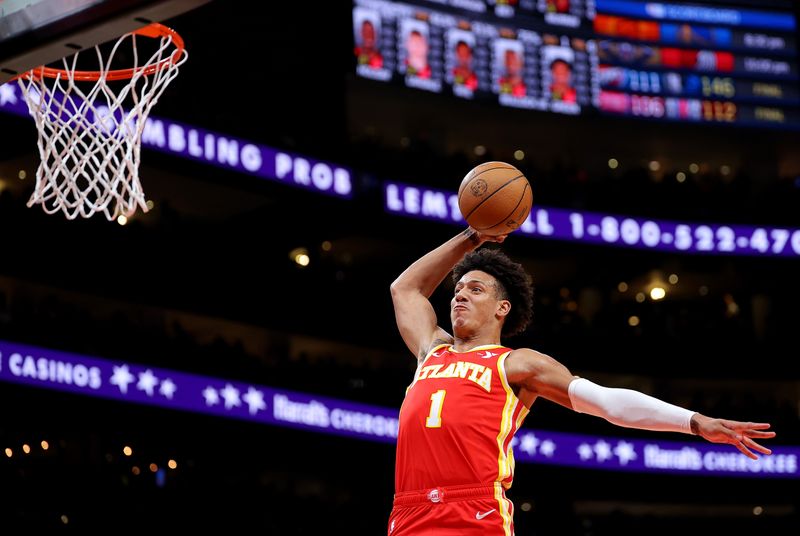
(746, 452)
(744, 426)
(749, 443)
(743, 449)
(753, 433)
(756, 425)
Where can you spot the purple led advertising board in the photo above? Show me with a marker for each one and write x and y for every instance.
(227, 152)
(607, 229)
(141, 384)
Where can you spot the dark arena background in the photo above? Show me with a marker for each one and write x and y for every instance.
(228, 361)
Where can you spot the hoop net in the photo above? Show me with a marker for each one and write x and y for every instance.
(90, 123)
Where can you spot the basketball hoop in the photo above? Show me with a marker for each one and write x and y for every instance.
(90, 133)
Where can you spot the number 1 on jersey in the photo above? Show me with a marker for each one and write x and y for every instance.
(434, 419)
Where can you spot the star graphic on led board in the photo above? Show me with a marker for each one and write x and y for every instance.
(254, 400)
(231, 396)
(147, 382)
(122, 377)
(211, 396)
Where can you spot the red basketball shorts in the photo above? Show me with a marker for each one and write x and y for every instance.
(452, 511)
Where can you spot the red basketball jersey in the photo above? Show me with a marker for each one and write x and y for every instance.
(457, 421)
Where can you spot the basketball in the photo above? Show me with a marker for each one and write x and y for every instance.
(495, 198)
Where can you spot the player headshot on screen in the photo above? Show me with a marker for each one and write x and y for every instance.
(561, 88)
(366, 49)
(471, 393)
(511, 81)
(417, 55)
(463, 74)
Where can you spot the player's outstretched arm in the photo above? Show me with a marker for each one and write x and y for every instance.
(546, 377)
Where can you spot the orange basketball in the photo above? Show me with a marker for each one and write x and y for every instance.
(495, 198)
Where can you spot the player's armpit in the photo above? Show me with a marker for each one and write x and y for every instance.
(441, 337)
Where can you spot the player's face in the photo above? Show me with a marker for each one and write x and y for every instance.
(368, 34)
(561, 74)
(463, 53)
(417, 46)
(474, 303)
(513, 62)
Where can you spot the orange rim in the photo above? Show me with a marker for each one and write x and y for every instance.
(154, 30)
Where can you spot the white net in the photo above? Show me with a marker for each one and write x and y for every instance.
(90, 131)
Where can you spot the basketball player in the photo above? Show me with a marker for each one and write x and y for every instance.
(470, 394)
(417, 58)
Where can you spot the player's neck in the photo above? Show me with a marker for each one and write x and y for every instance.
(467, 343)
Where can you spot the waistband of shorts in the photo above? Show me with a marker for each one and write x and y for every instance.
(447, 494)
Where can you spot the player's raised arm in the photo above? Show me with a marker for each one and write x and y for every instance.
(411, 291)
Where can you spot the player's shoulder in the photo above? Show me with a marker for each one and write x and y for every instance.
(527, 357)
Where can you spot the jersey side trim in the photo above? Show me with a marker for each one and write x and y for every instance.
(505, 508)
(504, 463)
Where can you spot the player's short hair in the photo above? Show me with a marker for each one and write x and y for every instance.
(513, 284)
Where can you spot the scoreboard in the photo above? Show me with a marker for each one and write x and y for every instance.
(704, 62)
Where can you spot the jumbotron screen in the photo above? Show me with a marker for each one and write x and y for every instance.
(700, 62)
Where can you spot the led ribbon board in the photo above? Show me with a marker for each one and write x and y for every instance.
(223, 151)
(141, 384)
(202, 145)
(607, 229)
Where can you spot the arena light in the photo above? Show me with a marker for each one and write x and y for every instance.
(657, 293)
(300, 256)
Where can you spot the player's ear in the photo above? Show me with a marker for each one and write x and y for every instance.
(503, 308)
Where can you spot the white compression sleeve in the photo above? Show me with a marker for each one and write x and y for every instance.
(625, 407)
